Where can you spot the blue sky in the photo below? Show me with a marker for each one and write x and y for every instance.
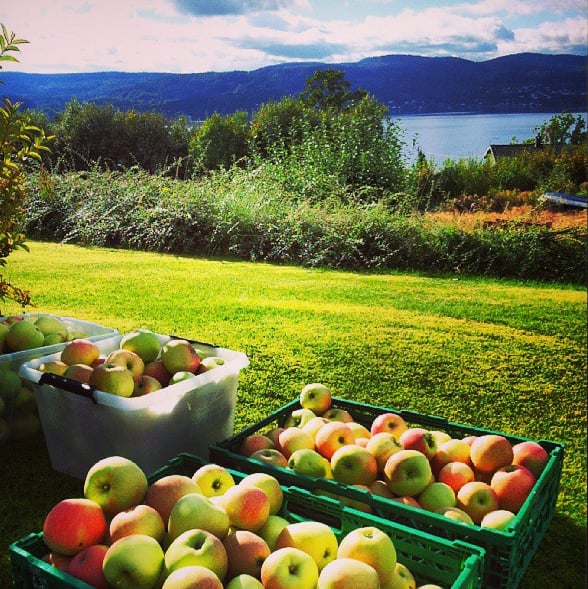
(187, 36)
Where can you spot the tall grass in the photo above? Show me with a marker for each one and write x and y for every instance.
(259, 215)
(503, 355)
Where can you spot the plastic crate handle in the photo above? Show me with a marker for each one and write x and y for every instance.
(72, 386)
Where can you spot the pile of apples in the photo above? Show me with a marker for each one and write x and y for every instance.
(140, 365)
(207, 530)
(478, 480)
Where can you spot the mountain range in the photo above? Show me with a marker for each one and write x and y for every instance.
(524, 82)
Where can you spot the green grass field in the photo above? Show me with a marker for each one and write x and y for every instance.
(505, 356)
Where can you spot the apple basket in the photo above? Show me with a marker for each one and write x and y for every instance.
(83, 424)
(451, 564)
(508, 552)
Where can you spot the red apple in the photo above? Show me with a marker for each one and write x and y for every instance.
(246, 552)
(157, 370)
(456, 475)
(391, 423)
(80, 351)
(354, 465)
(531, 455)
(512, 484)
(254, 442)
(87, 566)
(332, 436)
(418, 438)
(163, 493)
(477, 499)
(490, 451)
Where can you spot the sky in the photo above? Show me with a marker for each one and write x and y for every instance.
(195, 36)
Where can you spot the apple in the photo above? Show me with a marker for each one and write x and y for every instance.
(354, 465)
(79, 372)
(53, 366)
(163, 493)
(436, 496)
(298, 418)
(131, 361)
(309, 462)
(382, 445)
(289, 568)
(80, 351)
(10, 385)
(331, 437)
(380, 488)
(247, 507)
(490, 451)
(3, 334)
(512, 484)
(456, 475)
(254, 442)
(195, 511)
(453, 450)
(338, 414)
(178, 355)
(134, 562)
(391, 423)
(269, 485)
(371, 545)
(313, 537)
(24, 335)
(274, 435)
(294, 438)
(246, 552)
(456, 514)
(531, 455)
(244, 582)
(213, 479)
(180, 376)
(314, 425)
(316, 397)
(271, 529)
(499, 519)
(115, 483)
(157, 370)
(192, 577)
(418, 438)
(114, 379)
(87, 564)
(407, 472)
(72, 525)
(406, 500)
(139, 519)
(440, 437)
(429, 586)
(360, 432)
(50, 325)
(144, 385)
(210, 362)
(142, 342)
(197, 547)
(24, 402)
(54, 338)
(348, 573)
(270, 456)
(402, 578)
(477, 499)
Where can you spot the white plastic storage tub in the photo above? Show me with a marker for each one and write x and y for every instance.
(83, 425)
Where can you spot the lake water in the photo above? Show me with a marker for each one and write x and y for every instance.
(455, 136)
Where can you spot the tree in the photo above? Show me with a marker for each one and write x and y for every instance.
(20, 142)
(328, 89)
(563, 128)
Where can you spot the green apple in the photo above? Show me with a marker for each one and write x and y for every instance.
(316, 397)
(456, 514)
(115, 483)
(114, 379)
(180, 376)
(348, 573)
(292, 439)
(143, 342)
(210, 362)
(382, 445)
(272, 529)
(54, 338)
(80, 351)
(246, 552)
(197, 547)
(50, 325)
(289, 568)
(213, 479)
(178, 355)
(499, 519)
(402, 578)
(313, 537)
(192, 576)
(24, 335)
(436, 496)
(371, 545)
(299, 418)
(134, 562)
(25, 426)
(163, 493)
(309, 462)
(10, 384)
(269, 485)
(139, 519)
(195, 511)
(129, 360)
(244, 582)
(407, 472)
(53, 366)
(3, 334)
(354, 465)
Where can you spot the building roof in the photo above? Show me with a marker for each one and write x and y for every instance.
(496, 151)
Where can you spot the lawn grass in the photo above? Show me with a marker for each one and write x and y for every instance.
(502, 355)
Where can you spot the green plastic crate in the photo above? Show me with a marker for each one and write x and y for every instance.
(508, 553)
(453, 564)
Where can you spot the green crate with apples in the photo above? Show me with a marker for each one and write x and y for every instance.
(509, 544)
(450, 564)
